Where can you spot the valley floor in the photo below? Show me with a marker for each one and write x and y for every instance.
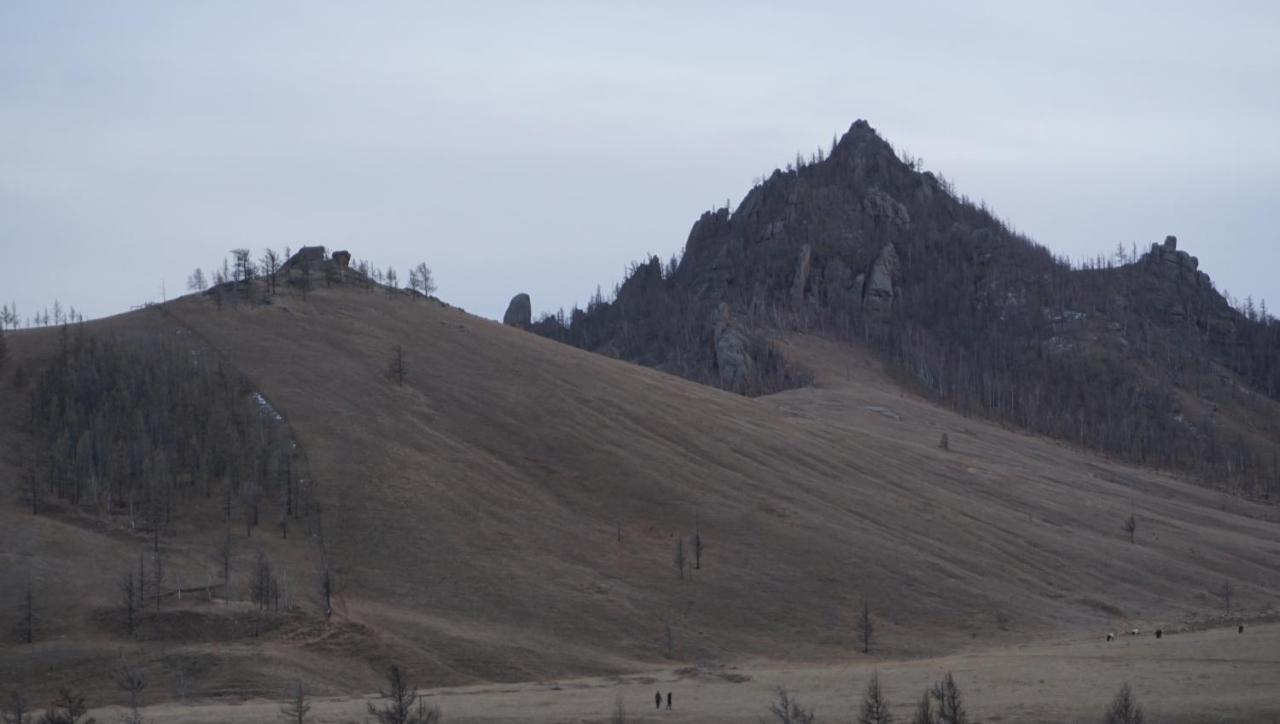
(1211, 675)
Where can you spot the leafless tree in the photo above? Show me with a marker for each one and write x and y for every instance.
(421, 281)
(196, 282)
(679, 559)
(25, 629)
(4, 348)
(326, 590)
(924, 711)
(9, 316)
(297, 711)
(364, 272)
(128, 601)
(142, 579)
(17, 710)
(31, 475)
(131, 681)
(697, 550)
(270, 266)
(263, 587)
(866, 628)
(395, 369)
(1226, 592)
(225, 554)
(950, 705)
(403, 704)
(1124, 708)
(68, 708)
(875, 710)
(619, 715)
(786, 709)
(157, 576)
(304, 280)
(944, 443)
(392, 281)
(244, 267)
(1131, 526)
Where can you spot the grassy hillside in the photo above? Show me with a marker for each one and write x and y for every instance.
(473, 514)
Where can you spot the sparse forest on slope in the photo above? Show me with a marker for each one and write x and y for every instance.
(1134, 355)
(139, 428)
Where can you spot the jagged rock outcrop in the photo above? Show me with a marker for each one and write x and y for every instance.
(1173, 286)
(519, 312)
(878, 294)
(307, 256)
(733, 358)
(803, 266)
(884, 210)
(342, 258)
(1175, 265)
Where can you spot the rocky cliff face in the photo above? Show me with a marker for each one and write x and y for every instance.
(861, 244)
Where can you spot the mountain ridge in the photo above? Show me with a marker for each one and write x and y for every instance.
(862, 244)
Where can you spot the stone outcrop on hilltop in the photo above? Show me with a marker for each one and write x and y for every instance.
(308, 255)
(861, 244)
(1176, 289)
(519, 312)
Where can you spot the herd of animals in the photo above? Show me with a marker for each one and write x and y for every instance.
(1160, 632)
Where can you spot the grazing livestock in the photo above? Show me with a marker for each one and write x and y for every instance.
(1133, 632)
(1111, 637)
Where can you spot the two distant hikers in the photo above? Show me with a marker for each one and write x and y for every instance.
(657, 700)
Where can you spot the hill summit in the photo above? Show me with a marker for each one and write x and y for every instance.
(1136, 355)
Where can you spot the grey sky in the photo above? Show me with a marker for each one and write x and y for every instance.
(541, 146)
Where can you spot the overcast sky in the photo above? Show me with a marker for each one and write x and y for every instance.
(540, 146)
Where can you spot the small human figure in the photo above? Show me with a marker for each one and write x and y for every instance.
(668, 701)
(1238, 630)
(1159, 633)
(657, 700)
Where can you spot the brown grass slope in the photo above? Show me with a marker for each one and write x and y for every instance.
(472, 515)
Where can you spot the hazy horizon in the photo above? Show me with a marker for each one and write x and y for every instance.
(540, 149)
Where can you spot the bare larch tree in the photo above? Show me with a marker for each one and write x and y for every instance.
(875, 710)
(128, 601)
(950, 704)
(16, 710)
(1124, 709)
(403, 705)
(131, 681)
(395, 369)
(1226, 592)
(786, 709)
(270, 267)
(866, 628)
(297, 711)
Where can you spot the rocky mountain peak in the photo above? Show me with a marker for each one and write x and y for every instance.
(863, 245)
